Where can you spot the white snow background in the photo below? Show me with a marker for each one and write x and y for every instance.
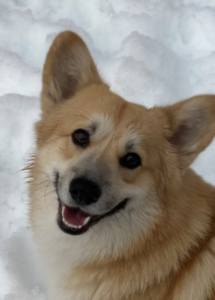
(149, 51)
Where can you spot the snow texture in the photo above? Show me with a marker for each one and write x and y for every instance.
(149, 51)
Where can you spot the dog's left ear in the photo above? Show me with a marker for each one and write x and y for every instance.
(68, 68)
(192, 126)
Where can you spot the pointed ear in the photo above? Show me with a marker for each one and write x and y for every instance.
(68, 67)
(192, 126)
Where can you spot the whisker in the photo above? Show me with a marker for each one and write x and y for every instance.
(44, 195)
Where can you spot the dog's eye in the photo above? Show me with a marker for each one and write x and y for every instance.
(81, 137)
(130, 161)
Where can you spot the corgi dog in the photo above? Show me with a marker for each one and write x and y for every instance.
(115, 209)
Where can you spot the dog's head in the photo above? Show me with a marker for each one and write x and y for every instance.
(112, 164)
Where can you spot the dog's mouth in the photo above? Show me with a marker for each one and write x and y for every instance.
(73, 220)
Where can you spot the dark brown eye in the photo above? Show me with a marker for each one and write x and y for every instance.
(81, 137)
(130, 161)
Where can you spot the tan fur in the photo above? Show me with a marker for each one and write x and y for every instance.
(163, 246)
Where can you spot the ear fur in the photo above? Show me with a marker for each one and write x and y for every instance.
(192, 124)
(68, 67)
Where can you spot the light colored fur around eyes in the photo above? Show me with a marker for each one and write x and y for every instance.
(102, 125)
(129, 141)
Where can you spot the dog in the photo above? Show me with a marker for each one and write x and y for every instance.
(115, 209)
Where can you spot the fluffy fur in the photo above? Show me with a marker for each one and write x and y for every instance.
(162, 244)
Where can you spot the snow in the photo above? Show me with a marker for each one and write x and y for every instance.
(150, 52)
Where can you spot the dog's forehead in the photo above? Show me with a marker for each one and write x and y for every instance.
(106, 114)
(126, 126)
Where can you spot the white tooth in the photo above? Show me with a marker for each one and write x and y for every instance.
(71, 226)
(65, 222)
(63, 210)
(86, 220)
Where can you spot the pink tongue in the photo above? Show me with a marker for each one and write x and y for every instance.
(74, 216)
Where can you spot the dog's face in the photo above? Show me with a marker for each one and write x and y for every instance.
(112, 164)
(102, 157)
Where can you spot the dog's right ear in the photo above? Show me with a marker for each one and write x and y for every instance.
(192, 124)
(68, 67)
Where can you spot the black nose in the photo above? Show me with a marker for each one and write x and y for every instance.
(84, 191)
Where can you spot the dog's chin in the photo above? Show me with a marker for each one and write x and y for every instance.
(74, 221)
